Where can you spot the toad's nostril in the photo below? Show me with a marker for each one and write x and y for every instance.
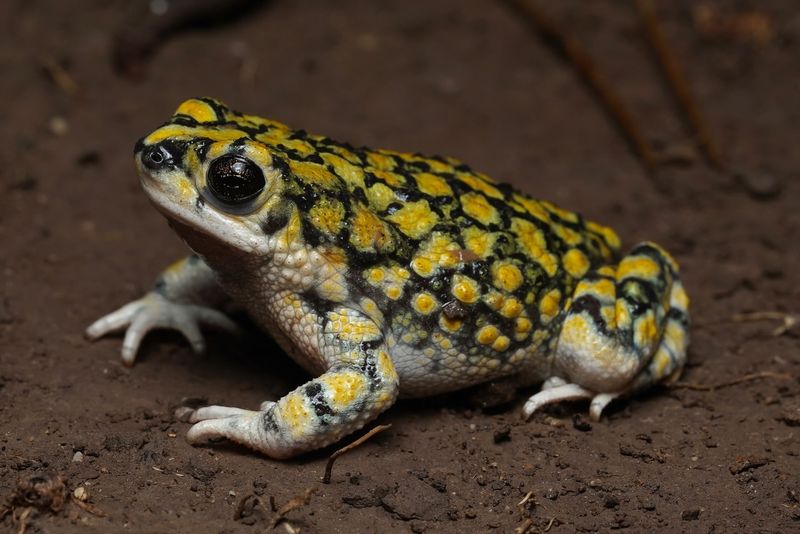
(156, 157)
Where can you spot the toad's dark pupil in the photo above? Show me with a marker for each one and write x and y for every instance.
(235, 179)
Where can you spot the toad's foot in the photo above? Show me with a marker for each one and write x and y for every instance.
(153, 311)
(568, 392)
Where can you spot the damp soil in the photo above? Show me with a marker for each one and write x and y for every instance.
(463, 78)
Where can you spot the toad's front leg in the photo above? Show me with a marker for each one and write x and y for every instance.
(318, 413)
(185, 298)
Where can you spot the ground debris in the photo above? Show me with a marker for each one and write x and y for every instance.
(645, 456)
(759, 184)
(678, 83)
(295, 502)
(747, 463)
(42, 491)
(789, 320)
(750, 26)
(736, 381)
(595, 79)
(326, 479)
(45, 492)
(790, 415)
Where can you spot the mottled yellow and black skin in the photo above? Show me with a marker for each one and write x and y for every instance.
(434, 274)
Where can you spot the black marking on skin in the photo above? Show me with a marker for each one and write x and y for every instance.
(276, 220)
(183, 120)
(654, 254)
(238, 146)
(321, 407)
(370, 179)
(454, 309)
(680, 316)
(160, 286)
(201, 147)
(315, 158)
(360, 196)
(219, 109)
(366, 346)
(282, 167)
(370, 369)
(643, 297)
(590, 305)
(268, 420)
(200, 203)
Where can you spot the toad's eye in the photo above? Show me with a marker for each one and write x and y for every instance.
(234, 179)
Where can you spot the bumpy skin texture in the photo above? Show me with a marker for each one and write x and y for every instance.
(389, 274)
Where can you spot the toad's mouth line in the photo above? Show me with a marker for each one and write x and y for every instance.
(195, 222)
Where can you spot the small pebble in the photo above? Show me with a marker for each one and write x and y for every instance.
(691, 515)
(81, 494)
(760, 185)
(503, 434)
(77, 457)
(580, 424)
(58, 126)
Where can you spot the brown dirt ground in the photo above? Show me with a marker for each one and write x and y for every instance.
(464, 78)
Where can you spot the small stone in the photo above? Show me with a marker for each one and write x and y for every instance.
(58, 126)
(81, 493)
(502, 434)
(747, 463)
(77, 457)
(580, 424)
(691, 515)
(760, 185)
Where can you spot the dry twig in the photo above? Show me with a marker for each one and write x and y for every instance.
(582, 62)
(736, 381)
(789, 320)
(326, 479)
(677, 81)
(525, 527)
(295, 502)
(86, 507)
(23, 520)
(59, 75)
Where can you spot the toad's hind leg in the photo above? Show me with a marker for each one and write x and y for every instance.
(625, 329)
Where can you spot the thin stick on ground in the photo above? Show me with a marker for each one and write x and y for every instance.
(86, 507)
(295, 502)
(591, 74)
(736, 381)
(326, 479)
(677, 81)
(789, 320)
(23, 520)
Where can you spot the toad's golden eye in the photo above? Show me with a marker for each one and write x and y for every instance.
(234, 179)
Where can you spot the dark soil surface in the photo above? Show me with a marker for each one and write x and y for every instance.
(464, 78)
